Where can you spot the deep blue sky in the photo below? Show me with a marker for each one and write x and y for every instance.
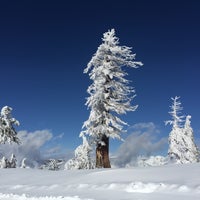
(45, 45)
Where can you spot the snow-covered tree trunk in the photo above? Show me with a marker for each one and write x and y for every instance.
(109, 93)
(102, 153)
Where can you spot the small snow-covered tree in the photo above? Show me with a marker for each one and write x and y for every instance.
(4, 162)
(110, 94)
(7, 130)
(182, 148)
(82, 159)
(13, 162)
(23, 163)
(52, 164)
(192, 151)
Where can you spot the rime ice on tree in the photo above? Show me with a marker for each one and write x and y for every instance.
(82, 159)
(182, 148)
(8, 134)
(5, 163)
(7, 130)
(109, 93)
(13, 161)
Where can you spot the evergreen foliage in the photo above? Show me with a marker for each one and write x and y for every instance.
(7, 130)
(110, 94)
(182, 148)
(82, 159)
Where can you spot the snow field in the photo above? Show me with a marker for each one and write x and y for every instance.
(178, 182)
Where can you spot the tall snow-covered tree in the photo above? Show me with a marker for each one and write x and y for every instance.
(7, 130)
(110, 94)
(182, 148)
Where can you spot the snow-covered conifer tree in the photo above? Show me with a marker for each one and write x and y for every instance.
(82, 159)
(182, 148)
(53, 164)
(192, 151)
(7, 130)
(4, 162)
(175, 112)
(23, 163)
(12, 162)
(110, 94)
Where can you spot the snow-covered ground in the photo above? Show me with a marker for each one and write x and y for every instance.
(177, 182)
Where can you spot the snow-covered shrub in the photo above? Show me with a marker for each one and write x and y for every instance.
(182, 148)
(82, 159)
(52, 164)
(151, 161)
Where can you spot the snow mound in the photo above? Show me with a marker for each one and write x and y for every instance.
(145, 188)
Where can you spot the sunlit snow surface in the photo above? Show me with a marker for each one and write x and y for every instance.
(178, 182)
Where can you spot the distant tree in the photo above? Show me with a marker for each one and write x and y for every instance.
(13, 162)
(23, 163)
(52, 164)
(109, 93)
(82, 159)
(182, 148)
(7, 130)
(4, 162)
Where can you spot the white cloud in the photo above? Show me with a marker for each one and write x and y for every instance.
(58, 152)
(60, 136)
(150, 127)
(143, 140)
(32, 147)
